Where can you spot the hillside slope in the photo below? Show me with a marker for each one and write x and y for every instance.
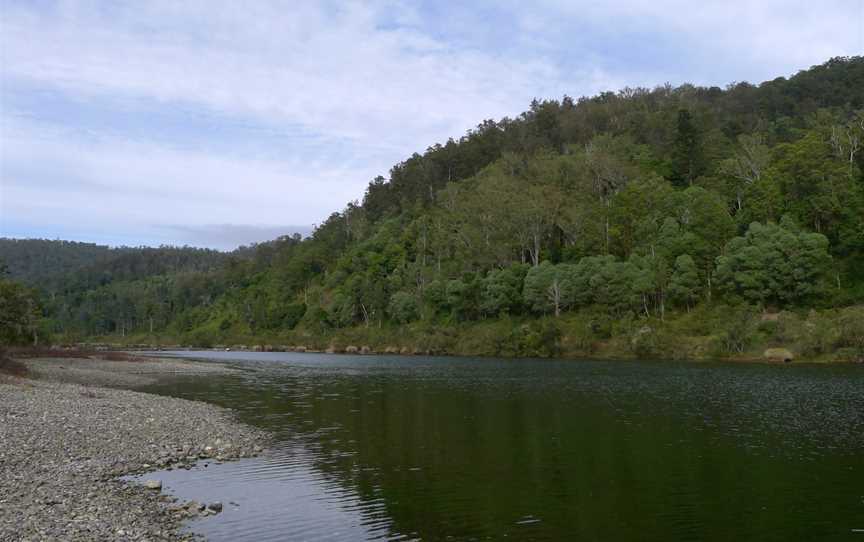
(634, 219)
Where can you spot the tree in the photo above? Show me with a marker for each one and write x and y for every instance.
(746, 166)
(775, 265)
(651, 281)
(637, 213)
(685, 285)
(403, 307)
(706, 225)
(613, 286)
(549, 287)
(687, 158)
(610, 169)
(19, 313)
(815, 184)
(463, 297)
(502, 290)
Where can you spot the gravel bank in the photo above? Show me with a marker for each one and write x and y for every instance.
(63, 446)
(122, 374)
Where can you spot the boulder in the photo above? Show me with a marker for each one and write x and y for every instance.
(350, 349)
(779, 354)
(155, 485)
(300, 349)
(391, 350)
(215, 507)
(365, 350)
(405, 351)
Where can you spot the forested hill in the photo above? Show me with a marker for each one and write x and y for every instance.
(54, 264)
(651, 220)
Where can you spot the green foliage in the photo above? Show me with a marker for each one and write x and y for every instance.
(612, 286)
(19, 314)
(687, 155)
(435, 297)
(775, 265)
(685, 286)
(548, 288)
(598, 210)
(815, 184)
(403, 307)
(502, 290)
(541, 338)
(851, 331)
(737, 333)
(463, 297)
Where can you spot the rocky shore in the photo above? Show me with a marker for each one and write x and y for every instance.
(64, 445)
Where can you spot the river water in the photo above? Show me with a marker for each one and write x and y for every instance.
(424, 448)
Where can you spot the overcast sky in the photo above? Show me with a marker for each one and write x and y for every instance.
(218, 123)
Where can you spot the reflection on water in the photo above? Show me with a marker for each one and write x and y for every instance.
(264, 497)
(401, 448)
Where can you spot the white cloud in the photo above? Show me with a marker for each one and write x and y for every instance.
(134, 182)
(758, 39)
(334, 73)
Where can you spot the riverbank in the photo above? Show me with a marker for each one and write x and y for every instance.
(68, 435)
(708, 333)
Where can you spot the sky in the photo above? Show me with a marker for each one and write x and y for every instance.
(219, 123)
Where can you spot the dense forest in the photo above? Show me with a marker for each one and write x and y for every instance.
(671, 222)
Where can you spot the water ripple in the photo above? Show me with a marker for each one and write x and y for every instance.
(393, 448)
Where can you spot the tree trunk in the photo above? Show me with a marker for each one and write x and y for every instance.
(709, 285)
(535, 253)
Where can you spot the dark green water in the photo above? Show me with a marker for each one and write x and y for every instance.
(419, 448)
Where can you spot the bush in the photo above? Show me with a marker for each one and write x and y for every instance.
(542, 338)
(850, 328)
(738, 334)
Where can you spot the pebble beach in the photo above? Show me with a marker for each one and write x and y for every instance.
(65, 444)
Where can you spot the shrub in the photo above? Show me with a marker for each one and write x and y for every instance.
(738, 334)
(542, 338)
(850, 328)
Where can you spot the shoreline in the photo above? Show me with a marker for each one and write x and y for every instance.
(167, 353)
(711, 333)
(74, 428)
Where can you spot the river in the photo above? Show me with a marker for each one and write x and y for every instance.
(425, 448)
